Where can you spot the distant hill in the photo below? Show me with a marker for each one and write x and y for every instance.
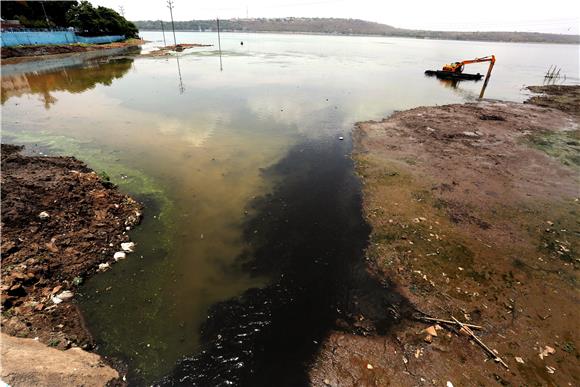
(332, 26)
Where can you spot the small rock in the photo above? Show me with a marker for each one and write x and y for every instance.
(43, 215)
(128, 246)
(327, 382)
(449, 384)
(519, 360)
(369, 366)
(119, 255)
(432, 330)
(428, 339)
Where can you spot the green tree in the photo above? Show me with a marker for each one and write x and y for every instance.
(92, 21)
(32, 13)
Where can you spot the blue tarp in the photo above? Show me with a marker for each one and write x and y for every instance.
(25, 38)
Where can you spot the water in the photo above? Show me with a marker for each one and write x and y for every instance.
(245, 181)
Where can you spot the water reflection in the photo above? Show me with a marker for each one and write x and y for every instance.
(71, 79)
(181, 87)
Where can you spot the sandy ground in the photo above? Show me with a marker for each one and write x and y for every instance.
(474, 211)
(61, 223)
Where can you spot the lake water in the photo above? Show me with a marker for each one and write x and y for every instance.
(252, 211)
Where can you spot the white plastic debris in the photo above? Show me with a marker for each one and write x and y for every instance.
(55, 300)
(43, 215)
(65, 295)
(104, 266)
(519, 360)
(119, 255)
(341, 138)
(449, 384)
(128, 246)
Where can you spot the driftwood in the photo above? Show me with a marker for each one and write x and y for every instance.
(465, 329)
(457, 323)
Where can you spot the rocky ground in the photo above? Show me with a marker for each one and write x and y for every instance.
(475, 215)
(54, 49)
(61, 223)
(27, 362)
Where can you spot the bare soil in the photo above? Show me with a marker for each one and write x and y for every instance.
(474, 211)
(42, 50)
(60, 220)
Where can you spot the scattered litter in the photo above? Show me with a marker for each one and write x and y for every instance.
(119, 255)
(431, 331)
(43, 215)
(341, 138)
(128, 247)
(550, 369)
(55, 300)
(104, 266)
(519, 360)
(449, 384)
(547, 351)
(369, 366)
(65, 296)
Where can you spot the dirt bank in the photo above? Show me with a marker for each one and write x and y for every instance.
(61, 223)
(22, 52)
(474, 214)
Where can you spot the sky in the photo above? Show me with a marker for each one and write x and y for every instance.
(555, 16)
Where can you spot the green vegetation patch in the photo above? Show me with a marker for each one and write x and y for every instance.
(564, 146)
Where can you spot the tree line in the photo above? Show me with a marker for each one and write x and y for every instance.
(86, 19)
(337, 26)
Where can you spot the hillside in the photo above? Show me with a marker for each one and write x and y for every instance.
(354, 27)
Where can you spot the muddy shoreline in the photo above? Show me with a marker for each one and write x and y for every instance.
(474, 214)
(19, 54)
(61, 223)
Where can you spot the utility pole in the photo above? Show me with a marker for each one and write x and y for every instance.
(122, 9)
(219, 43)
(163, 30)
(170, 6)
(45, 15)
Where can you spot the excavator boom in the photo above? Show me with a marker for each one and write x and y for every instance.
(457, 67)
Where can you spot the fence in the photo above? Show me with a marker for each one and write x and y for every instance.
(26, 38)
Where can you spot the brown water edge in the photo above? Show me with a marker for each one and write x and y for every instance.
(474, 213)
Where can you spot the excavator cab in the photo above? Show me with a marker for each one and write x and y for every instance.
(456, 67)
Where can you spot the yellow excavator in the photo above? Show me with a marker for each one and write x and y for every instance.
(454, 71)
(457, 67)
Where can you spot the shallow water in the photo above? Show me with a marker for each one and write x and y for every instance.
(214, 154)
